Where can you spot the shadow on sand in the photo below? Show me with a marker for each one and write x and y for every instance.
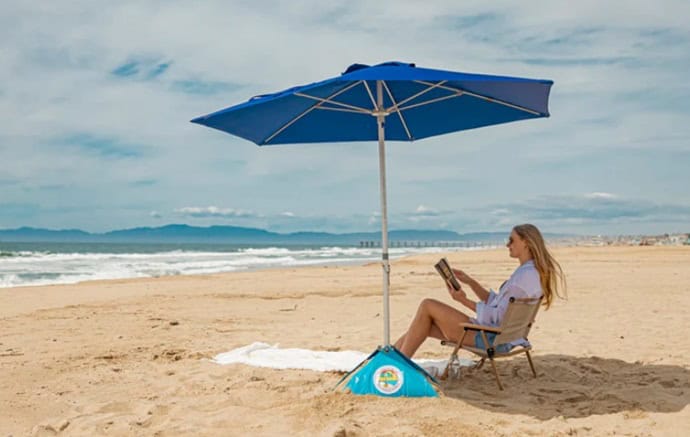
(574, 387)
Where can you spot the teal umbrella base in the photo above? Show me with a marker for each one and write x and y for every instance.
(389, 373)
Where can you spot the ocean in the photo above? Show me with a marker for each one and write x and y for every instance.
(26, 264)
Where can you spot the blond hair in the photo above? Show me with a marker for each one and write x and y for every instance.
(550, 273)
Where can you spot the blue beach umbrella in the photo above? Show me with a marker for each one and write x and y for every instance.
(392, 101)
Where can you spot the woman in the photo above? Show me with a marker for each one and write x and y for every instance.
(538, 274)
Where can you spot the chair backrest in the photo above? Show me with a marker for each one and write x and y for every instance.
(518, 319)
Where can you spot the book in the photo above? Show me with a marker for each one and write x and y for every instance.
(443, 269)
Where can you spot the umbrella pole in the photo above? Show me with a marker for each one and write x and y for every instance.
(380, 119)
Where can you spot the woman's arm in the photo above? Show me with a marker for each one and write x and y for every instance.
(467, 302)
(481, 292)
(461, 297)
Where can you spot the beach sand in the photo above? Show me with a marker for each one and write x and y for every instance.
(130, 357)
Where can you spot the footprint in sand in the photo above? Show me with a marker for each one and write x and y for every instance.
(540, 400)
(154, 416)
(169, 355)
(495, 405)
(159, 410)
(576, 399)
(110, 357)
(114, 407)
(550, 390)
(50, 430)
(635, 414)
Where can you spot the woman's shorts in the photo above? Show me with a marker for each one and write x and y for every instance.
(501, 348)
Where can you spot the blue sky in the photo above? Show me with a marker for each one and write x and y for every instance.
(96, 98)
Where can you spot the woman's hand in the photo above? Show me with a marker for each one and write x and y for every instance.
(458, 295)
(462, 276)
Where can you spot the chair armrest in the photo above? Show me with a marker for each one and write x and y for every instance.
(473, 327)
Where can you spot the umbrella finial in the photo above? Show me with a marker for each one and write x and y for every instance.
(355, 67)
(396, 64)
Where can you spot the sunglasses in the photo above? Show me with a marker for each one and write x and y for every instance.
(509, 241)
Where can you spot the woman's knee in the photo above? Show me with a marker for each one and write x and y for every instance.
(426, 306)
(428, 302)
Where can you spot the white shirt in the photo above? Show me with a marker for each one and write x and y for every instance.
(523, 283)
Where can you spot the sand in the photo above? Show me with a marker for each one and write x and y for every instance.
(130, 357)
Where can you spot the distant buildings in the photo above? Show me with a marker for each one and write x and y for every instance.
(636, 240)
(665, 240)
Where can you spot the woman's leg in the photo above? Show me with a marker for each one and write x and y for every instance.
(434, 332)
(433, 319)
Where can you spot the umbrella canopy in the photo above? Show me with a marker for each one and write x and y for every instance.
(390, 101)
(421, 103)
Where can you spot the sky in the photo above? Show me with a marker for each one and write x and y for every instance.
(96, 98)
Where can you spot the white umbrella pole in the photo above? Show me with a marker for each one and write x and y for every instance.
(380, 118)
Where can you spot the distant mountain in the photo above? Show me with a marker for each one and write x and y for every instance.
(189, 234)
(43, 235)
(177, 233)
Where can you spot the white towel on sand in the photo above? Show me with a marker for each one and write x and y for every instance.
(265, 355)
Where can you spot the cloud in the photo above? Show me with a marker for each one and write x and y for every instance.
(103, 146)
(374, 219)
(500, 212)
(594, 208)
(424, 214)
(214, 211)
(598, 195)
(128, 69)
(141, 69)
(425, 211)
(195, 86)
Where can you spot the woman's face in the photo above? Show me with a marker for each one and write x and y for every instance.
(516, 245)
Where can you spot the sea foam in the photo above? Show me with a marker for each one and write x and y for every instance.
(43, 267)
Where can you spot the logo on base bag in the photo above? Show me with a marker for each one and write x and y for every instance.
(388, 379)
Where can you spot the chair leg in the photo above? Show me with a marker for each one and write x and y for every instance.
(444, 375)
(531, 364)
(446, 372)
(453, 358)
(498, 380)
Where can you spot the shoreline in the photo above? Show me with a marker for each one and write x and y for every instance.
(28, 269)
(258, 259)
(147, 282)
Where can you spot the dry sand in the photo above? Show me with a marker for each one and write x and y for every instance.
(128, 357)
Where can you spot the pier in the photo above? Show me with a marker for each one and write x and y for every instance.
(396, 243)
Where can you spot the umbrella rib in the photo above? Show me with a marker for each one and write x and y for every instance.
(371, 96)
(424, 91)
(344, 105)
(428, 102)
(396, 109)
(325, 108)
(287, 125)
(308, 110)
(486, 98)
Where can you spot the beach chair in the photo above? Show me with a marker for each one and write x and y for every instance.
(517, 323)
